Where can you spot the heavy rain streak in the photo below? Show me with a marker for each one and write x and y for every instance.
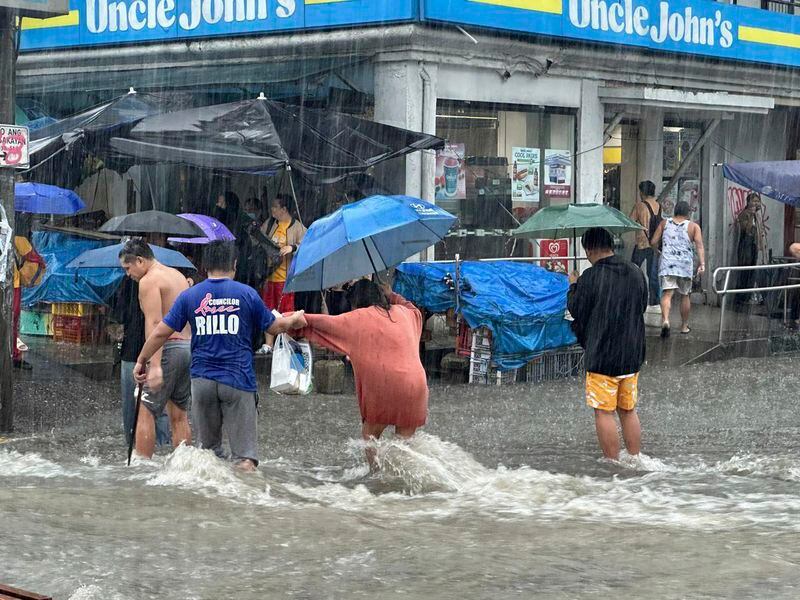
(399, 299)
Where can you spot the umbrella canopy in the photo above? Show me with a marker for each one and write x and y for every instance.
(779, 180)
(46, 199)
(573, 220)
(107, 257)
(365, 237)
(263, 136)
(152, 221)
(213, 230)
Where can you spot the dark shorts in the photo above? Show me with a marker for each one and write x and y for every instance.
(177, 387)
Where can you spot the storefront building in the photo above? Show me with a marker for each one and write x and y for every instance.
(541, 101)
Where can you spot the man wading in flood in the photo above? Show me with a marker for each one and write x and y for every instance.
(226, 317)
(167, 382)
(607, 304)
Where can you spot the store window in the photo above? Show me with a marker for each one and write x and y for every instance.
(501, 164)
(678, 142)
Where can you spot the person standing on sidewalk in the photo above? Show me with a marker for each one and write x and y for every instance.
(647, 212)
(679, 237)
(607, 304)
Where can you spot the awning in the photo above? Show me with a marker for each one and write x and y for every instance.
(683, 100)
(779, 180)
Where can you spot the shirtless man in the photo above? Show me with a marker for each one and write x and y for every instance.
(168, 381)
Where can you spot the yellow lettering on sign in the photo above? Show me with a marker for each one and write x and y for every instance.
(548, 6)
(767, 36)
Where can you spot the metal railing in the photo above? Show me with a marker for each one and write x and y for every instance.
(787, 7)
(726, 290)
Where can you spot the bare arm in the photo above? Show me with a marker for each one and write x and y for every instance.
(701, 251)
(153, 345)
(296, 320)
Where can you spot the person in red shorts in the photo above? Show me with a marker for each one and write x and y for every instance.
(286, 232)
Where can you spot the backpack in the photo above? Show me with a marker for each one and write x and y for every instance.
(264, 257)
(30, 267)
(655, 220)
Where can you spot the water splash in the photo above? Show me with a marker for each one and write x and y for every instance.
(16, 464)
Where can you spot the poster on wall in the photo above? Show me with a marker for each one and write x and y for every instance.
(525, 176)
(557, 174)
(450, 179)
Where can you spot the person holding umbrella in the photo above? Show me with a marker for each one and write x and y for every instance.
(286, 232)
(607, 303)
(381, 337)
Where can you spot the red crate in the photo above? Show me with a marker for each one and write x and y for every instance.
(463, 340)
(75, 330)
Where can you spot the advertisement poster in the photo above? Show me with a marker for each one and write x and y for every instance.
(450, 179)
(554, 249)
(524, 176)
(557, 174)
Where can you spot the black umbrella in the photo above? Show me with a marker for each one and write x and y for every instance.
(152, 221)
(263, 136)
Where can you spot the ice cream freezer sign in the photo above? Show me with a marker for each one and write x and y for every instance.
(698, 27)
(13, 146)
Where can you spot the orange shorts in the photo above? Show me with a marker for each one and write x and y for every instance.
(609, 393)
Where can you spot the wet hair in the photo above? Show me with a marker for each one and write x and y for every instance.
(282, 200)
(220, 256)
(364, 293)
(597, 238)
(752, 196)
(136, 248)
(647, 187)
(682, 209)
(232, 202)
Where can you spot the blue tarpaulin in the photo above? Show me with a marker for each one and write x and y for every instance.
(61, 284)
(779, 180)
(523, 305)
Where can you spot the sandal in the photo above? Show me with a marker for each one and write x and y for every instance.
(688, 330)
(665, 330)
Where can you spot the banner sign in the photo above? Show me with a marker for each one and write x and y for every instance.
(96, 22)
(690, 27)
(14, 146)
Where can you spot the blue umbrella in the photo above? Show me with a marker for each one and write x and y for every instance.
(107, 257)
(365, 237)
(779, 180)
(44, 199)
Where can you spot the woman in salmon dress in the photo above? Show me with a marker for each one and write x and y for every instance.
(381, 337)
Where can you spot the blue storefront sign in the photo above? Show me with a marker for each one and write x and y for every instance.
(699, 27)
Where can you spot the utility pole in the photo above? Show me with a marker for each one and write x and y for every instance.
(8, 59)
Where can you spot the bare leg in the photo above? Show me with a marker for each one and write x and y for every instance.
(246, 465)
(666, 304)
(606, 426)
(368, 432)
(686, 306)
(631, 430)
(145, 433)
(405, 432)
(179, 425)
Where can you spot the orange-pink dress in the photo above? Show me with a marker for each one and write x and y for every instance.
(391, 385)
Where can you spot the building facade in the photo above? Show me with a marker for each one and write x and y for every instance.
(541, 101)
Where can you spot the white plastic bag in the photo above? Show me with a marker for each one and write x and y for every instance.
(291, 366)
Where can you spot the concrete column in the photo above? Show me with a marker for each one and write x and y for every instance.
(589, 161)
(651, 146)
(405, 96)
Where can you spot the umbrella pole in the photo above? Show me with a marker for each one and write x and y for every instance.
(372, 262)
(135, 422)
(574, 251)
(294, 194)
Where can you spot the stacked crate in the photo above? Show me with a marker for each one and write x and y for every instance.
(556, 364)
(482, 369)
(76, 322)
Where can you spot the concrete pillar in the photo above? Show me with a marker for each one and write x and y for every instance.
(651, 146)
(405, 96)
(589, 161)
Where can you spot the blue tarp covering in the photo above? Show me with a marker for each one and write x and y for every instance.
(779, 180)
(61, 284)
(523, 305)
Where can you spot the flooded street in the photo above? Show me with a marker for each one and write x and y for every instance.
(502, 496)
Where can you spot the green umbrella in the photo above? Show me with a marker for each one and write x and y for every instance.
(572, 220)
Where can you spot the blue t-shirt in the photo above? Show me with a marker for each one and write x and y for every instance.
(224, 316)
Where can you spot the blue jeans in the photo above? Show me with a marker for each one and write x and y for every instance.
(641, 255)
(128, 386)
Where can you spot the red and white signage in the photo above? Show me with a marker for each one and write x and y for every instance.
(554, 249)
(14, 146)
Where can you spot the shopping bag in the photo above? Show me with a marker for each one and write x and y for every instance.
(291, 366)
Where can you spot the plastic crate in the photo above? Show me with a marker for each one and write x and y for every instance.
(35, 323)
(556, 364)
(73, 309)
(76, 330)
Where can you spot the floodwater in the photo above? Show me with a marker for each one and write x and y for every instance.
(503, 496)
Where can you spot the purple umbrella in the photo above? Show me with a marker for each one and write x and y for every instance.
(213, 229)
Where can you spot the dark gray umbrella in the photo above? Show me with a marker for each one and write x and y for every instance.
(152, 221)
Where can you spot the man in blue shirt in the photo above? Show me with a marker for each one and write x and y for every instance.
(225, 317)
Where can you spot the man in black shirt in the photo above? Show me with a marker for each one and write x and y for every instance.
(607, 304)
(130, 316)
